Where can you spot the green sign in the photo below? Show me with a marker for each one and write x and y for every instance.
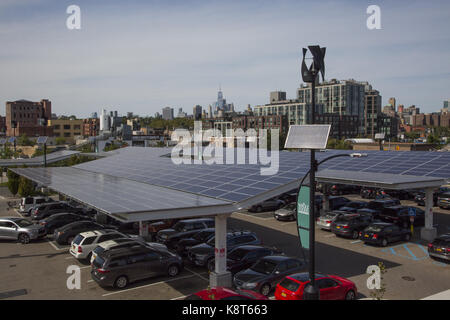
(303, 216)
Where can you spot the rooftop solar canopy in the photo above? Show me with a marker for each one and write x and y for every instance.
(131, 174)
(38, 161)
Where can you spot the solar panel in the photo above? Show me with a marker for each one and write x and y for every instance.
(41, 140)
(11, 139)
(2, 141)
(308, 136)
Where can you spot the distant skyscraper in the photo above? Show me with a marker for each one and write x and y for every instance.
(94, 115)
(210, 112)
(197, 112)
(392, 102)
(400, 108)
(446, 103)
(167, 113)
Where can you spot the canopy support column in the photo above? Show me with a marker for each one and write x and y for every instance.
(325, 198)
(220, 277)
(428, 232)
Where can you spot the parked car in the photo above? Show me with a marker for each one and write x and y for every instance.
(383, 233)
(324, 222)
(330, 287)
(439, 248)
(126, 242)
(372, 193)
(286, 213)
(353, 206)
(154, 227)
(340, 189)
(15, 228)
(266, 273)
(66, 234)
(268, 205)
(350, 225)
(58, 220)
(84, 242)
(45, 210)
(203, 254)
(290, 196)
(400, 194)
(183, 229)
(399, 215)
(376, 206)
(118, 268)
(27, 203)
(243, 257)
(337, 202)
(420, 196)
(444, 200)
(222, 293)
(201, 236)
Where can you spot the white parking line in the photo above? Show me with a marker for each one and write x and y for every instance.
(55, 247)
(357, 241)
(178, 298)
(197, 274)
(148, 285)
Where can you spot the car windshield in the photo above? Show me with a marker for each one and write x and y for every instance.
(373, 228)
(375, 205)
(264, 266)
(98, 262)
(202, 236)
(290, 206)
(23, 223)
(290, 284)
(179, 226)
(78, 239)
(237, 254)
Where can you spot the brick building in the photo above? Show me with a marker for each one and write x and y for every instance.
(28, 117)
(91, 127)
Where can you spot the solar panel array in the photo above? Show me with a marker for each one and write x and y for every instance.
(36, 161)
(238, 182)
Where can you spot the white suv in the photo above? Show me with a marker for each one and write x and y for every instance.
(83, 244)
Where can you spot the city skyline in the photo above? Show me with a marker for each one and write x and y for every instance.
(143, 57)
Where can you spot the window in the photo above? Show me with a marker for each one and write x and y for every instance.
(89, 240)
(326, 283)
(282, 267)
(66, 134)
(117, 262)
(7, 224)
(67, 127)
(76, 127)
(56, 127)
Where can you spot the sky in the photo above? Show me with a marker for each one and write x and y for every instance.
(141, 56)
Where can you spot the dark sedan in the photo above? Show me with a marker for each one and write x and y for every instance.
(267, 272)
(200, 237)
(67, 233)
(268, 205)
(383, 233)
(244, 257)
(58, 220)
(350, 225)
(399, 215)
(440, 247)
(183, 229)
(353, 206)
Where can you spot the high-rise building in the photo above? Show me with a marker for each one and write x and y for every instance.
(28, 117)
(392, 102)
(372, 110)
(197, 112)
(400, 108)
(277, 96)
(181, 114)
(167, 113)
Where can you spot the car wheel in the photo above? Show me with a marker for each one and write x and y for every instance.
(211, 264)
(350, 295)
(121, 282)
(88, 258)
(355, 235)
(258, 209)
(407, 237)
(69, 240)
(265, 289)
(384, 242)
(24, 238)
(173, 270)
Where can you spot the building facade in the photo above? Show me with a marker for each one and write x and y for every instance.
(28, 117)
(67, 129)
(91, 127)
(167, 113)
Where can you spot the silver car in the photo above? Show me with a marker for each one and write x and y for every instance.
(324, 222)
(21, 229)
(287, 213)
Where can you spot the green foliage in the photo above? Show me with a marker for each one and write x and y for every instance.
(60, 140)
(23, 140)
(13, 182)
(412, 135)
(110, 147)
(339, 144)
(25, 187)
(159, 123)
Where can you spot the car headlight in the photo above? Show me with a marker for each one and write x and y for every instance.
(250, 285)
(201, 256)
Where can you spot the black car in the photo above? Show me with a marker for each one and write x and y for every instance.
(46, 210)
(400, 194)
(350, 225)
(444, 200)
(58, 220)
(383, 233)
(203, 254)
(420, 196)
(201, 236)
(376, 206)
(244, 257)
(340, 189)
(119, 267)
(440, 247)
(337, 202)
(353, 206)
(65, 234)
(183, 229)
(267, 272)
(268, 205)
(399, 215)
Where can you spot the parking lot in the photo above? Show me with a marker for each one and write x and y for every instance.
(38, 270)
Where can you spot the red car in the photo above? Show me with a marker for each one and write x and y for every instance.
(331, 287)
(222, 293)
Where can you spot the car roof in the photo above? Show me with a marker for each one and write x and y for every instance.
(93, 233)
(117, 242)
(384, 224)
(250, 247)
(278, 258)
(304, 276)
(120, 252)
(11, 218)
(196, 220)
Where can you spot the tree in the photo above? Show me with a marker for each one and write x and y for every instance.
(25, 187)
(13, 182)
(23, 140)
(60, 140)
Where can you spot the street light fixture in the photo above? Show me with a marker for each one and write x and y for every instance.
(43, 141)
